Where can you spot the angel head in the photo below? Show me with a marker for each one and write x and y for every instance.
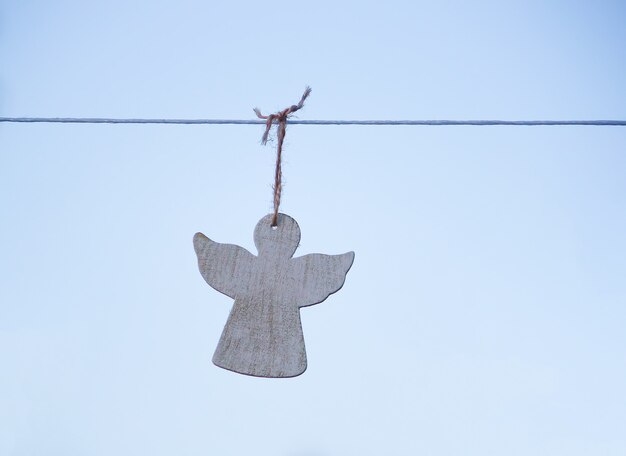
(283, 238)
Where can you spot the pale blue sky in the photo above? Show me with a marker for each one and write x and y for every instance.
(485, 311)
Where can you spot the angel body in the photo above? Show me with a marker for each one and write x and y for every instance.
(263, 335)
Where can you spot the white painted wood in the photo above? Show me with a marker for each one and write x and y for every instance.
(263, 335)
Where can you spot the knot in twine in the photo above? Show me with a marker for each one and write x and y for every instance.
(281, 118)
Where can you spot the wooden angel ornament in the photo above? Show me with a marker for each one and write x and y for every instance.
(263, 335)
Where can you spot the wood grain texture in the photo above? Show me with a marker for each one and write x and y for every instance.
(263, 335)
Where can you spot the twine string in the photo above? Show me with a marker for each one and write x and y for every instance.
(281, 118)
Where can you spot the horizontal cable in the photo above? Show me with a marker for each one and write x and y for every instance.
(98, 120)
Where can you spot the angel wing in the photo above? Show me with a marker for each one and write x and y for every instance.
(222, 265)
(318, 276)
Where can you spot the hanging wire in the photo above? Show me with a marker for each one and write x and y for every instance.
(104, 120)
